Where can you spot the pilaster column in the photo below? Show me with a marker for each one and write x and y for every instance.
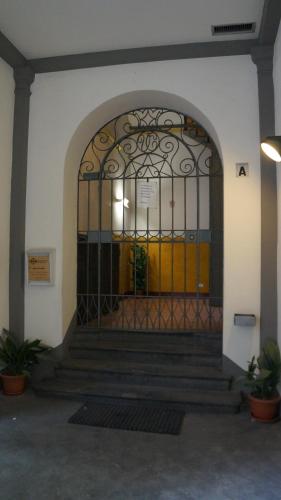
(24, 76)
(262, 56)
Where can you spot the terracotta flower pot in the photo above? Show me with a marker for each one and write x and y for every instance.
(265, 410)
(13, 385)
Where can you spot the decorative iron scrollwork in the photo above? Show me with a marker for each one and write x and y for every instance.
(150, 142)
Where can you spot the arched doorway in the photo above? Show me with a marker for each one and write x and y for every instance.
(150, 225)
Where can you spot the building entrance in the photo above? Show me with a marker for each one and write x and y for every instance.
(150, 226)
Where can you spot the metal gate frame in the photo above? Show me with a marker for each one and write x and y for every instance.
(144, 144)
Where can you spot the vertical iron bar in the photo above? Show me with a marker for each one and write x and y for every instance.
(160, 255)
(111, 247)
(197, 248)
(172, 256)
(78, 221)
(212, 231)
(134, 257)
(184, 256)
(99, 249)
(88, 253)
(147, 249)
(123, 226)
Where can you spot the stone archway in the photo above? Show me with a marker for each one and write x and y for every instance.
(81, 137)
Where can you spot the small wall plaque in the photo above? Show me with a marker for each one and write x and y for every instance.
(244, 319)
(242, 169)
(40, 266)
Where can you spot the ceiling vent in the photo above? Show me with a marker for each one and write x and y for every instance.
(233, 29)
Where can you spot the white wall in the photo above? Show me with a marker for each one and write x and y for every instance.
(277, 89)
(6, 137)
(67, 108)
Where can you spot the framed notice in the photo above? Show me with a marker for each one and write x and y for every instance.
(147, 193)
(40, 266)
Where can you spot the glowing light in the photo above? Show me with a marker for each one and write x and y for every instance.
(123, 201)
(271, 146)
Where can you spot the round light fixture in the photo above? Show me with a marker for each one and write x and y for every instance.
(271, 146)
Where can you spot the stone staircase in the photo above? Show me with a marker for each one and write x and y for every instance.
(172, 370)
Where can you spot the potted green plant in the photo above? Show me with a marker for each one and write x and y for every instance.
(263, 378)
(138, 263)
(16, 361)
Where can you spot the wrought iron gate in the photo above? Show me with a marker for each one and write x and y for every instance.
(150, 225)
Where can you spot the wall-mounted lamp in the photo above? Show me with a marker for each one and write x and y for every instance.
(123, 201)
(271, 146)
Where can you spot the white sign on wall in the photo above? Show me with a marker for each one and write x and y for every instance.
(147, 193)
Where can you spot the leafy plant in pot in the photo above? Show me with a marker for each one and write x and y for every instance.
(16, 361)
(263, 377)
(138, 263)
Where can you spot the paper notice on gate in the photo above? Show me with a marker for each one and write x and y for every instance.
(147, 191)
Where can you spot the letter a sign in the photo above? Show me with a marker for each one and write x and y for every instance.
(242, 169)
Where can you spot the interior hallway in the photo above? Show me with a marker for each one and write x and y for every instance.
(216, 457)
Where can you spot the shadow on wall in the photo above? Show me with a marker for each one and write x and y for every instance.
(82, 136)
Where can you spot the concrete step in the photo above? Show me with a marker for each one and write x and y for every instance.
(168, 342)
(187, 400)
(134, 344)
(150, 335)
(146, 349)
(144, 353)
(168, 375)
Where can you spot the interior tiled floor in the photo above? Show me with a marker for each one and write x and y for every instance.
(163, 313)
(223, 457)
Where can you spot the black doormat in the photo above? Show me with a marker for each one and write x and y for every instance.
(130, 418)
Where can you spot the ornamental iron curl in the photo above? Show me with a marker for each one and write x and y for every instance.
(150, 142)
